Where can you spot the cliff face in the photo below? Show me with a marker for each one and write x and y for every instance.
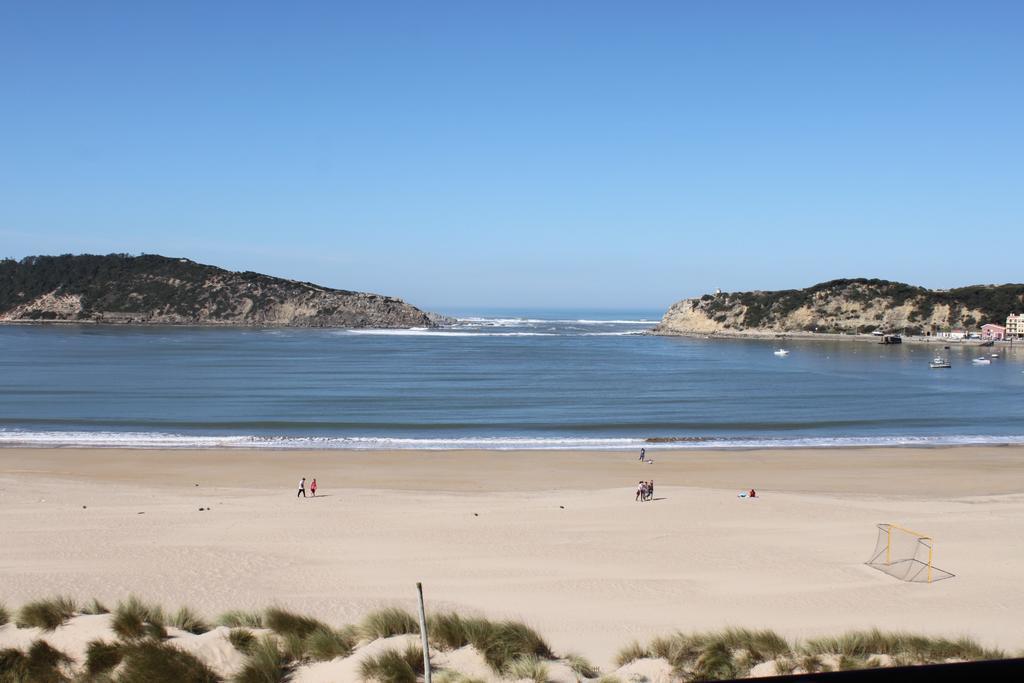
(844, 306)
(160, 290)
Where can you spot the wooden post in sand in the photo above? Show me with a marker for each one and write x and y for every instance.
(423, 635)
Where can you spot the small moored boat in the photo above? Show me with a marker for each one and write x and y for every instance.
(981, 361)
(939, 362)
(781, 353)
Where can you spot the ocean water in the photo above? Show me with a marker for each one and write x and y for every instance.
(509, 379)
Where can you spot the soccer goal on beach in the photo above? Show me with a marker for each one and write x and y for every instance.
(906, 555)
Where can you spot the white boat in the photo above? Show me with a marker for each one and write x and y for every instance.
(939, 362)
(995, 355)
(982, 361)
(781, 353)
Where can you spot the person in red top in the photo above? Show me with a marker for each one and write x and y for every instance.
(312, 488)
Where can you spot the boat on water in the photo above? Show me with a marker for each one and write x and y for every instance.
(939, 362)
(981, 361)
(781, 353)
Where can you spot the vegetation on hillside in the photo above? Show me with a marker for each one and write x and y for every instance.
(969, 306)
(120, 286)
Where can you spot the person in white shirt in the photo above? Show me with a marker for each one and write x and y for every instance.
(302, 488)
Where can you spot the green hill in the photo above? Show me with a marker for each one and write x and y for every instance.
(118, 288)
(848, 305)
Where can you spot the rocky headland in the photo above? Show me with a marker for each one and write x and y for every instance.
(853, 306)
(151, 289)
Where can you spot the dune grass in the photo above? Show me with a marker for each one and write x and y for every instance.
(450, 631)
(94, 606)
(499, 642)
(12, 665)
(148, 660)
(717, 662)
(101, 656)
(134, 619)
(581, 666)
(394, 666)
(299, 638)
(919, 649)
(811, 664)
(529, 667)
(512, 649)
(242, 640)
(849, 663)
(388, 622)
(47, 614)
(46, 663)
(631, 653)
(508, 640)
(188, 620)
(241, 619)
(731, 653)
(265, 663)
(785, 665)
(293, 646)
(42, 663)
(284, 623)
(449, 676)
(306, 639)
(325, 643)
(705, 653)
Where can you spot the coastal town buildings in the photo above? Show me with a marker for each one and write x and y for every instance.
(1015, 325)
(993, 332)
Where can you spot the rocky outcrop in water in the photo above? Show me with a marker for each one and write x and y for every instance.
(844, 306)
(152, 289)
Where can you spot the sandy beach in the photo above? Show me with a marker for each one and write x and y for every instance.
(552, 538)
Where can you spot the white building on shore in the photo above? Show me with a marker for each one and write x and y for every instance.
(1015, 325)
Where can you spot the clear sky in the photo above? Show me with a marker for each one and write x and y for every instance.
(522, 153)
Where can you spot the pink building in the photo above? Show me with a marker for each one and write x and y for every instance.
(993, 331)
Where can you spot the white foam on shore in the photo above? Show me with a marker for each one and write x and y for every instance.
(148, 440)
(423, 332)
(513, 322)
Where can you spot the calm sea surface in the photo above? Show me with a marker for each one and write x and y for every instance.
(535, 380)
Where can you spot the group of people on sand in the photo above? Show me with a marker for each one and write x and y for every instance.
(645, 491)
(302, 488)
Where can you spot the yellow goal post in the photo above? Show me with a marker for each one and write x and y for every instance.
(906, 554)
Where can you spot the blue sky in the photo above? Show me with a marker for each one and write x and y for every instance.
(619, 155)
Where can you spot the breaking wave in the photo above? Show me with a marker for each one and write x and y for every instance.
(150, 440)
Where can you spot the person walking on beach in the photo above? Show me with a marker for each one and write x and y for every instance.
(312, 487)
(643, 454)
(302, 488)
(650, 490)
(639, 491)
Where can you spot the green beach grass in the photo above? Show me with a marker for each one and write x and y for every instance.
(276, 642)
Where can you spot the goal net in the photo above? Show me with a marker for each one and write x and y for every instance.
(906, 555)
